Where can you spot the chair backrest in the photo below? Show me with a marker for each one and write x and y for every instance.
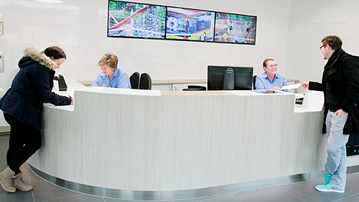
(134, 80)
(254, 82)
(145, 81)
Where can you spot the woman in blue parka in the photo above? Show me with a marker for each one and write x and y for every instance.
(22, 106)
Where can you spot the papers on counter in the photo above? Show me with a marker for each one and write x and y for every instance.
(294, 86)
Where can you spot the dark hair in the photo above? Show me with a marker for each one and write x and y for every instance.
(54, 52)
(266, 60)
(333, 41)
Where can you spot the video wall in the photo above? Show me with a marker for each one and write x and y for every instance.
(135, 20)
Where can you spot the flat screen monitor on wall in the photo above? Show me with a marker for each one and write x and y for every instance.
(243, 77)
(136, 20)
(147, 21)
(234, 28)
(189, 24)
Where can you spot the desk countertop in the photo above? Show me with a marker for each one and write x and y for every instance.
(178, 81)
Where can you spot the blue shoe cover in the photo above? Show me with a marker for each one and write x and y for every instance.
(328, 188)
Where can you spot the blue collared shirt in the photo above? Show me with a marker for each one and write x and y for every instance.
(263, 82)
(119, 80)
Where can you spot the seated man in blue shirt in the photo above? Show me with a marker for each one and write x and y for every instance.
(270, 79)
(111, 76)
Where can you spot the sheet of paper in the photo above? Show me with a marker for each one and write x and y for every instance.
(294, 86)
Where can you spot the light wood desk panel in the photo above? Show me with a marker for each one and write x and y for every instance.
(178, 140)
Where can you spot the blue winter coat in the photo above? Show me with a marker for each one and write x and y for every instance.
(30, 88)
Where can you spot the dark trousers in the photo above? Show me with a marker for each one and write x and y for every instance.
(24, 142)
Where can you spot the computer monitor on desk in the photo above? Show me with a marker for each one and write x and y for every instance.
(243, 77)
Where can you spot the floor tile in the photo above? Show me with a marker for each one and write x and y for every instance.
(119, 200)
(306, 191)
(18, 196)
(349, 199)
(77, 198)
(44, 190)
(268, 195)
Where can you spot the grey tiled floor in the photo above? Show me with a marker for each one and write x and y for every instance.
(299, 192)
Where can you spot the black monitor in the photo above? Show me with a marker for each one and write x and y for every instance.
(243, 77)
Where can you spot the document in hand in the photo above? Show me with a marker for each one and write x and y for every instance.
(294, 86)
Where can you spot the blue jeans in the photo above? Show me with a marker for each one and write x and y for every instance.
(337, 158)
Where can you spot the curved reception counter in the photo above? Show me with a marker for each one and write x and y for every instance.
(161, 145)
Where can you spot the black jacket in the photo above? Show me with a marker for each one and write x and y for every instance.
(30, 88)
(342, 74)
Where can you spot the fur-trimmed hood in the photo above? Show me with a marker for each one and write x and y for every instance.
(38, 57)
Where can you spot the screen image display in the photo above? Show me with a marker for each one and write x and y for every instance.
(188, 24)
(136, 20)
(243, 77)
(234, 28)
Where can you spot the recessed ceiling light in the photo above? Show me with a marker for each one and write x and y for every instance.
(50, 1)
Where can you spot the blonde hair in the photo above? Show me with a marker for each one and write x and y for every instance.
(109, 60)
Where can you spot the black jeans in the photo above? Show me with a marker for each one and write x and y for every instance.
(24, 142)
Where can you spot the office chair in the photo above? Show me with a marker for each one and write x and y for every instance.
(145, 81)
(134, 80)
(254, 82)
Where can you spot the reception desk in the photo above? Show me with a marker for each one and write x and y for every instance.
(140, 141)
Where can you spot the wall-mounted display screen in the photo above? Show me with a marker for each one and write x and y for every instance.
(136, 20)
(187, 24)
(235, 28)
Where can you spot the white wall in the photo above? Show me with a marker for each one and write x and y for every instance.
(79, 27)
(287, 30)
(310, 21)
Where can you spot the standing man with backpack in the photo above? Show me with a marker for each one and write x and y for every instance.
(340, 84)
